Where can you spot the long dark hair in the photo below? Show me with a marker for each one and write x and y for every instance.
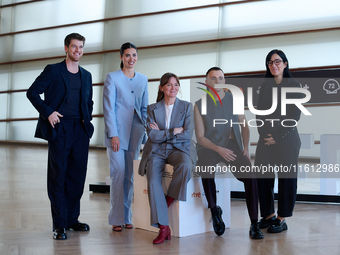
(286, 73)
(164, 80)
(125, 46)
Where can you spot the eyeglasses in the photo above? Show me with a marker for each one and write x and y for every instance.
(276, 61)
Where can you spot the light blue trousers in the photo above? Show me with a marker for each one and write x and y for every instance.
(121, 175)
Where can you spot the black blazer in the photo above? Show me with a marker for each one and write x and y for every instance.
(279, 133)
(54, 83)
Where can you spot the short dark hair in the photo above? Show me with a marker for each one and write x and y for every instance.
(125, 46)
(215, 68)
(164, 80)
(73, 36)
(286, 73)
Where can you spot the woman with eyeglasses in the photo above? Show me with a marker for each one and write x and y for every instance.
(169, 142)
(279, 144)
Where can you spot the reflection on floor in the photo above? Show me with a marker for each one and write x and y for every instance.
(25, 221)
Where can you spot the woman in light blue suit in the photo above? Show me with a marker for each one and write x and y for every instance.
(168, 127)
(125, 106)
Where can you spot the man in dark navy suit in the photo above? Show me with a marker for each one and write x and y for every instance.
(64, 121)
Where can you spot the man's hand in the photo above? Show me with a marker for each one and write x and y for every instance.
(246, 153)
(115, 143)
(54, 118)
(227, 154)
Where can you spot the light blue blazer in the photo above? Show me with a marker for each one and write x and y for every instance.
(122, 96)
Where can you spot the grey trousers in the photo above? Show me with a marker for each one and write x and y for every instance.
(180, 161)
(121, 175)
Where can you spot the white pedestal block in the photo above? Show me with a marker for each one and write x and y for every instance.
(185, 218)
(307, 141)
(330, 156)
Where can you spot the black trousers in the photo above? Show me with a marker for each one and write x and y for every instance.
(285, 154)
(67, 165)
(208, 157)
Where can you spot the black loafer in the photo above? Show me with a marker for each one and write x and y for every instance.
(79, 227)
(60, 234)
(255, 232)
(267, 223)
(218, 223)
(278, 227)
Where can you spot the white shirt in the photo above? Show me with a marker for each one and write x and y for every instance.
(168, 113)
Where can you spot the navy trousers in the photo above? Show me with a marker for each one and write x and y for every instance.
(66, 172)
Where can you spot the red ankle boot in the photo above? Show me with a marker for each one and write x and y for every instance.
(164, 234)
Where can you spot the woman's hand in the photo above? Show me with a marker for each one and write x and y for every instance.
(115, 143)
(269, 141)
(178, 130)
(154, 125)
(227, 154)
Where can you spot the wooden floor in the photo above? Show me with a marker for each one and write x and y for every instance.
(25, 221)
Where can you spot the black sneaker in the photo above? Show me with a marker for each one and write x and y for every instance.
(255, 232)
(218, 223)
(267, 223)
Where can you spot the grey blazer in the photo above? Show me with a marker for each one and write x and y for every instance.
(182, 116)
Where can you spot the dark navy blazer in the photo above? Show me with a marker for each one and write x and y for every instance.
(54, 83)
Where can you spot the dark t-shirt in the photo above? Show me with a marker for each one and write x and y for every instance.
(71, 107)
(220, 134)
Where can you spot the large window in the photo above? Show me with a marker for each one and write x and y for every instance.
(182, 36)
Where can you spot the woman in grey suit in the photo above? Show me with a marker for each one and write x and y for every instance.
(125, 104)
(168, 128)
